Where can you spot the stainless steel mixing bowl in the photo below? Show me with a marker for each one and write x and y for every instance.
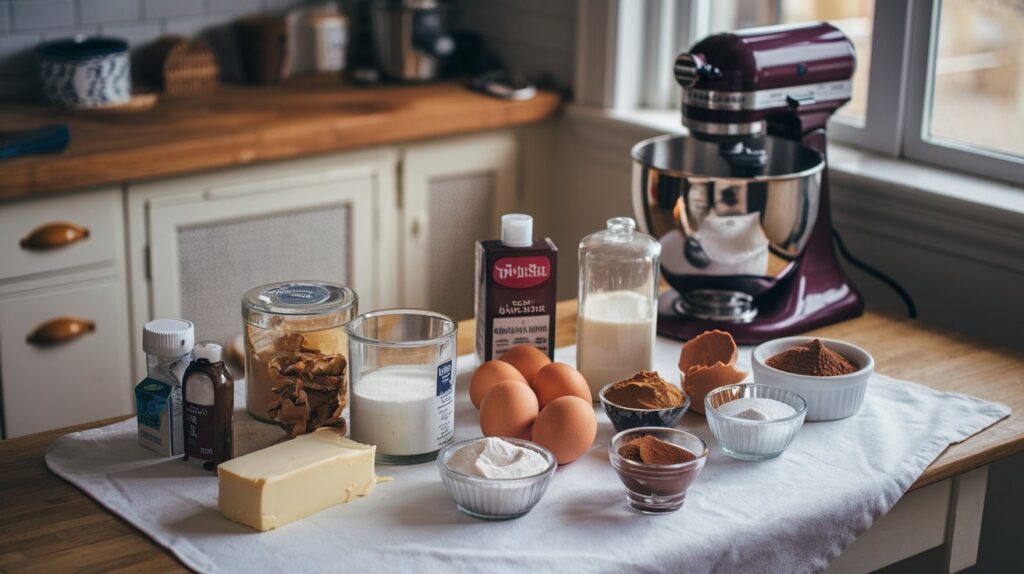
(726, 227)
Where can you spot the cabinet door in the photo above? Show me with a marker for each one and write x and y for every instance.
(85, 377)
(454, 193)
(207, 251)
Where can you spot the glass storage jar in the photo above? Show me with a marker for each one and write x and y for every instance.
(295, 342)
(403, 383)
(618, 303)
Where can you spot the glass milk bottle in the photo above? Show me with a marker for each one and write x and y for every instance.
(618, 303)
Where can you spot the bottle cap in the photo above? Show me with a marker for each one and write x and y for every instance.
(208, 350)
(168, 338)
(517, 230)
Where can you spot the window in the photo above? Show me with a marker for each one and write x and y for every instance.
(939, 81)
(977, 95)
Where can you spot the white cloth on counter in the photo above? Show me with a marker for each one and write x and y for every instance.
(794, 513)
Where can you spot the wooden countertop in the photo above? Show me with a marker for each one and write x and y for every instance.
(237, 125)
(47, 525)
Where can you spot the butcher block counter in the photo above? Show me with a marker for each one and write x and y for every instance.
(236, 125)
(48, 525)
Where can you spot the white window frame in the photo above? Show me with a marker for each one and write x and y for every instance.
(636, 42)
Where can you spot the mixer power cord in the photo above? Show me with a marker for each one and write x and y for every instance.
(907, 299)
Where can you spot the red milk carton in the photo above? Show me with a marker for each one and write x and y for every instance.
(515, 290)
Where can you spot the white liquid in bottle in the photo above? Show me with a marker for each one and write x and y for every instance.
(615, 338)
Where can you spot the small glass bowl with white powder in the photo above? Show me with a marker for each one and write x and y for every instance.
(754, 422)
(496, 478)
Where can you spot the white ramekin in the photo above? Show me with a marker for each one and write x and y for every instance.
(828, 398)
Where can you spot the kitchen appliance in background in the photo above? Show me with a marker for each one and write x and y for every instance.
(263, 47)
(741, 205)
(410, 39)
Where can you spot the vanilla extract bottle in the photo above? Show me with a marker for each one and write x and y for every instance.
(208, 395)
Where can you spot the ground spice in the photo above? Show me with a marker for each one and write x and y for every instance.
(645, 390)
(813, 359)
(651, 450)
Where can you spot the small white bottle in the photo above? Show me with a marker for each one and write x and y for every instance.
(168, 346)
(618, 303)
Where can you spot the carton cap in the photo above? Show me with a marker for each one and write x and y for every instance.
(517, 230)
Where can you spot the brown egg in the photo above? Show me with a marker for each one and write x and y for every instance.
(567, 427)
(509, 410)
(489, 374)
(707, 349)
(559, 380)
(527, 358)
(701, 380)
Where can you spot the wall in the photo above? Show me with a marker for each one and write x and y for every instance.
(26, 23)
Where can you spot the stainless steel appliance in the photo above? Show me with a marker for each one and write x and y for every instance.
(410, 39)
(741, 205)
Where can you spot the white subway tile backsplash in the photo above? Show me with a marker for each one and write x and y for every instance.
(152, 9)
(235, 6)
(135, 33)
(38, 14)
(61, 33)
(193, 26)
(5, 16)
(104, 11)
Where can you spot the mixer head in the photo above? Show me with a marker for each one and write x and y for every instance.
(784, 79)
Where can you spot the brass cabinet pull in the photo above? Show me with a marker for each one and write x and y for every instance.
(59, 331)
(54, 235)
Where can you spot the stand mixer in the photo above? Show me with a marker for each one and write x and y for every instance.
(741, 205)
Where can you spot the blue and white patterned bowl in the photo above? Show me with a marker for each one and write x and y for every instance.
(86, 72)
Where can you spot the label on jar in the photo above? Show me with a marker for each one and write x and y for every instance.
(199, 417)
(301, 295)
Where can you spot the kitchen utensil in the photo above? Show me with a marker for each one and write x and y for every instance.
(410, 39)
(741, 205)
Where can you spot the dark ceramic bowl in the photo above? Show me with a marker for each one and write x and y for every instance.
(624, 418)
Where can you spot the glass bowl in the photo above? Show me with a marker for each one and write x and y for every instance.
(753, 439)
(495, 498)
(625, 418)
(658, 488)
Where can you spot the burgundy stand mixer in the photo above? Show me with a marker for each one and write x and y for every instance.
(741, 205)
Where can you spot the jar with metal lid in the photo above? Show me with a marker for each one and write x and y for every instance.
(295, 353)
(618, 303)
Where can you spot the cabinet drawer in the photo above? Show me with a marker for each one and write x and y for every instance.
(95, 230)
(80, 378)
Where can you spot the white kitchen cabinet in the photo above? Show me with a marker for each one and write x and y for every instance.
(198, 243)
(453, 195)
(83, 376)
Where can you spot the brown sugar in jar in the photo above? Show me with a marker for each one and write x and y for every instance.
(296, 353)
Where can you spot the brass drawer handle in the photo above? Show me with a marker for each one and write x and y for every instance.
(59, 331)
(54, 235)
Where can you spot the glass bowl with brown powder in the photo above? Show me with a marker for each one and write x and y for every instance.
(657, 465)
(643, 400)
(831, 375)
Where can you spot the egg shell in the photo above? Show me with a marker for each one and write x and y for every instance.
(559, 380)
(527, 359)
(567, 427)
(708, 348)
(509, 410)
(487, 376)
(700, 380)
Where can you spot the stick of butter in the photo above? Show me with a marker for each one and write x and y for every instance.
(269, 488)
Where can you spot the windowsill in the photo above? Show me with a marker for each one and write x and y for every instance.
(854, 166)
